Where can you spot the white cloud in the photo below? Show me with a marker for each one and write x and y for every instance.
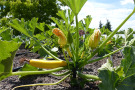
(101, 11)
(124, 2)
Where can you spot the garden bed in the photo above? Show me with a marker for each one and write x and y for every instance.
(10, 82)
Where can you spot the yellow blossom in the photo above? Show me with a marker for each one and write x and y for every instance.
(62, 38)
(94, 39)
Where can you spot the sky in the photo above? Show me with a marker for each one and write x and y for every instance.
(113, 10)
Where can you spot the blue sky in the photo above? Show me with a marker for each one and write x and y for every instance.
(113, 10)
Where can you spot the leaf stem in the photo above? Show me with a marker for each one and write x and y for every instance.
(105, 55)
(77, 37)
(88, 76)
(37, 72)
(39, 84)
(56, 58)
(65, 73)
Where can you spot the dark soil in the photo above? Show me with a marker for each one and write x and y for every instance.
(10, 82)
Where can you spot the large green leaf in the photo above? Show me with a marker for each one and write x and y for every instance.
(127, 84)
(108, 76)
(128, 63)
(27, 28)
(7, 52)
(75, 5)
(109, 80)
(19, 25)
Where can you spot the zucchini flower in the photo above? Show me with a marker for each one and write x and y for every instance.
(94, 39)
(62, 38)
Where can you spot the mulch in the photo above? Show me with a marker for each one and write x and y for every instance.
(10, 82)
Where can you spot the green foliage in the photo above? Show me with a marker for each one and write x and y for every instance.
(29, 9)
(7, 53)
(85, 26)
(129, 38)
(67, 20)
(2, 29)
(27, 67)
(75, 5)
(117, 41)
(121, 77)
(79, 54)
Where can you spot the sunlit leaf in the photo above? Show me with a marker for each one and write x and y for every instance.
(27, 28)
(2, 29)
(6, 35)
(19, 26)
(128, 63)
(108, 76)
(88, 20)
(7, 53)
(41, 26)
(75, 5)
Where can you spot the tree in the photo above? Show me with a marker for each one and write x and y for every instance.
(108, 25)
(100, 25)
(27, 9)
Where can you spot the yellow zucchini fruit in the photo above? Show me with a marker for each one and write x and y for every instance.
(47, 64)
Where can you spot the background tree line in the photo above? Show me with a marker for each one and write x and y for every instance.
(27, 9)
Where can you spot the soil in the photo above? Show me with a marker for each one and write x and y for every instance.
(10, 82)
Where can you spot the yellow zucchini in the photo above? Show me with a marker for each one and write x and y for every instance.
(47, 64)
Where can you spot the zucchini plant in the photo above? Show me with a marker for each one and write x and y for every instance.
(78, 53)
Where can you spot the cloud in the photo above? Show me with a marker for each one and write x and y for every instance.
(102, 11)
(124, 2)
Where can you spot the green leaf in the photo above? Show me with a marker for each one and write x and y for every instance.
(19, 26)
(71, 16)
(75, 5)
(88, 20)
(108, 76)
(128, 35)
(127, 84)
(6, 35)
(28, 67)
(107, 66)
(7, 53)
(58, 22)
(69, 38)
(109, 80)
(128, 63)
(27, 28)
(62, 14)
(2, 29)
(41, 26)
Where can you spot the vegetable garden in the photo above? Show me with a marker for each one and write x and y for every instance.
(67, 54)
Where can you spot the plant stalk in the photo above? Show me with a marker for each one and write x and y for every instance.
(39, 84)
(95, 60)
(77, 37)
(37, 72)
(88, 76)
